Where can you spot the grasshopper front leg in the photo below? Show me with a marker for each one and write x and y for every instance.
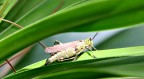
(92, 52)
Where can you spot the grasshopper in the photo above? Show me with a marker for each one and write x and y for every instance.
(60, 51)
(67, 51)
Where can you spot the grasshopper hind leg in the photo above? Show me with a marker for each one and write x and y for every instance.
(67, 59)
(94, 48)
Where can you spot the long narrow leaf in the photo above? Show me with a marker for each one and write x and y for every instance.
(97, 68)
(64, 20)
(104, 63)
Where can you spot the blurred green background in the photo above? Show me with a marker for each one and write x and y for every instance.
(27, 12)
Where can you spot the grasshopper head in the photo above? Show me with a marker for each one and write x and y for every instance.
(88, 42)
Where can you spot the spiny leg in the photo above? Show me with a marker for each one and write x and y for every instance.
(66, 55)
(92, 52)
(94, 48)
(70, 58)
(66, 59)
(76, 56)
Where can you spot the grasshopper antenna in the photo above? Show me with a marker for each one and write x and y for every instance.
(93, 39)
(95, 35)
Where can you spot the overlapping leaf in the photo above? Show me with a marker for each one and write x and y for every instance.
(88, 16)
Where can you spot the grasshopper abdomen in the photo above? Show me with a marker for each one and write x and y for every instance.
(60, 56)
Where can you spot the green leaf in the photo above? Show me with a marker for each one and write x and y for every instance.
(123, 14)
(117, 65)
(27, 12)
(96, 68)
(85, 13)
(32, 8)
(128, 51)
(5, 6)
(22, 10)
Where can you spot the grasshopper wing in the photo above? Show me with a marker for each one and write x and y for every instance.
(61, 47)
